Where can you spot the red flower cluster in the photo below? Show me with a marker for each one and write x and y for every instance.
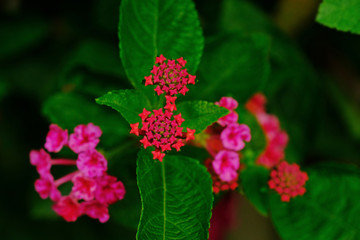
(93, 189)
(169, 76)
(227, 137)
(162, 130)
(288, 181)
(276, 138)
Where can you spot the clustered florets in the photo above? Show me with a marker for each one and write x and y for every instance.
(226, 138)
(93, 189)
(286, 179)
(162, 129)
(170, 76)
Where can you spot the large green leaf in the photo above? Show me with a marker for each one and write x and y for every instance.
(200, 114)
(254, 183)
(329, 209)
(153, 27)
(69, 110)
(130, 103)
(234, 64)
(342, 15)
(176, 196)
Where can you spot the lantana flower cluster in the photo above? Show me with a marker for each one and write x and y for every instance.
(286, 179)
(276, 138)
(161, 128)
(93, 190)
(226, 138)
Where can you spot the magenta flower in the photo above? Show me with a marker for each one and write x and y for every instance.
(56, 138)
(228, 103)
(96, 210)
(41, 160)
(68, 208)
(45, 186)
(170, 77)
(228, 119)
(234, 135)
(93, 189)
(84, 187)
(92, 163)
(288, 181)
(162, 130)
(109, 190)
(85, 137)
(226, 164)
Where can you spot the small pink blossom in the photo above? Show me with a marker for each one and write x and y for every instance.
(56, 138)
(41, 159)
(256, 104)
(68, 208)
(45, 186)
(226, 164)
(92, 163)
(288, 181)
(230, 118)
(228, 103)
(234, 135)
(96, 210)
(83, 187)
(218, 183)
(109, 190)
(85, 137)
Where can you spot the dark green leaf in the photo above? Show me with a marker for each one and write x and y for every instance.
(341, 15)
(69, 110)
(177, 198)
(130, 103)
(153, 27)
(328, 210)
(200, 114)
(254, 182)
(234, 64)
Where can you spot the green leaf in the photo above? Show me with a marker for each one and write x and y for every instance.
(342, 15)
(200, 114)
(176, 196)
(234, 64)
(254, 182)
(328, 210)
(69, 110)
(153, 27)
(130, 103)
(19, 36)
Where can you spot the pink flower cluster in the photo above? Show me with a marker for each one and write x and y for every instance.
(277, 139)
(162, 130)
(288, 181)
(170, 76)
(93, 189)
(226, 139)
